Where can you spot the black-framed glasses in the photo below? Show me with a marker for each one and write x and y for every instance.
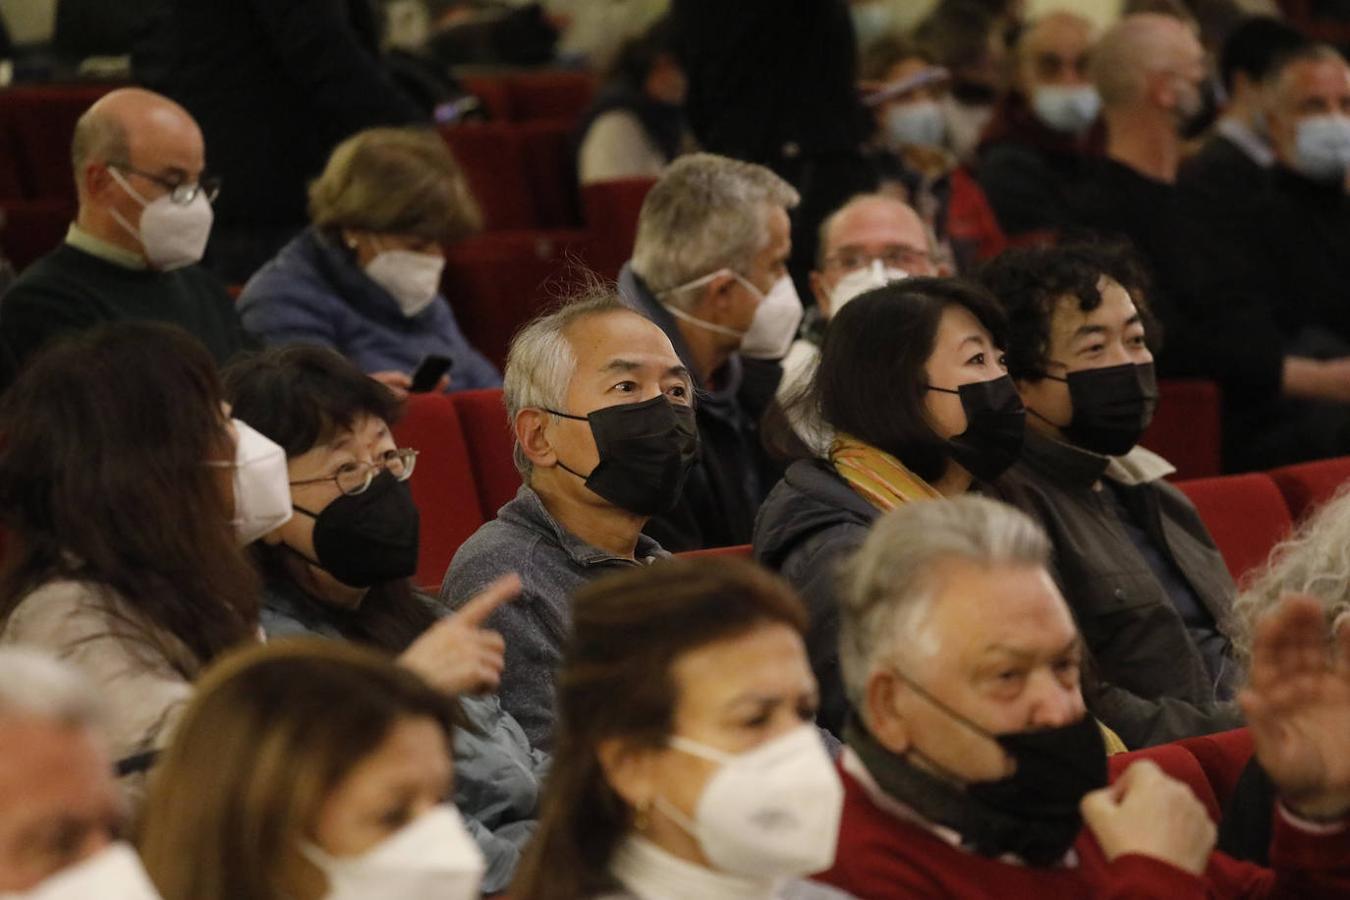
(355, 477)
(181, 193)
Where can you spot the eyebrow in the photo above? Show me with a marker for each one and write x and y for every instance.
(628, 365)
(973, 339)
(1020, 654)
(1089, 330)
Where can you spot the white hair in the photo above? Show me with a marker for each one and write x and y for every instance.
(886, 588)
(706, 213)
(34, 685)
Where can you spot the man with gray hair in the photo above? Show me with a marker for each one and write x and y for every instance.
(972, 768)
(602, 412)
(709, 267)
(60, 808)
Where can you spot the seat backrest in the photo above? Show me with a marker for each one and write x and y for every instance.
(492, 156)
(1246, 515)
(1187, 429)
(740, 551)
(1309, 485)
(43, 121)
(34, 228)
(490, 441)
(550, 94)
(551, 172)
(1223, 756)
(1177, 762)
(442, 482)
(611, 210)
(494, 92)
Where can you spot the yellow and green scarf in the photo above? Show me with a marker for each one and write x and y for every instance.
(878, 477)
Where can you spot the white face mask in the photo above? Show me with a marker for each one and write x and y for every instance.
(860, 281)
(114, 873)
(262, 485)
(1067, 109)
(172, 235)
(432, 856)
(776, 320)
(771, 812)
(920, 124)
(1322, 147)
(413, 279)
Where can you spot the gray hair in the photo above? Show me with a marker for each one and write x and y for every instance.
(99, 136)
(706, 213)
(1314, 560)
(1130, 51)
(34, 685)
(540, 362)
(886, 588)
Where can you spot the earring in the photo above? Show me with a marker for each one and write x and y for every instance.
(642, 819)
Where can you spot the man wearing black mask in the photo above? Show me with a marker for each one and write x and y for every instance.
(602, 411)
(1148, 587)
(973, 769)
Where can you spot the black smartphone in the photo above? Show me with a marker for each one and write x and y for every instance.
(430, 373)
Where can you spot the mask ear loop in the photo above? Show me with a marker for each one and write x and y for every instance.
(981, 731)
(562, 415)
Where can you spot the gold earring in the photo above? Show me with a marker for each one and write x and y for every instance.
(642, 820)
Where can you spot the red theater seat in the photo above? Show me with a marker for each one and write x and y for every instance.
(494, 92)
(550, 94)
(42, 118)
(33, 228)
(1246, 514)
(1223, 756)
(611, 210)
(490, 442)
(442, 483)
(1311, 484)
(1187, 429)
(1176, 761)
(551, 173)
(492, 156)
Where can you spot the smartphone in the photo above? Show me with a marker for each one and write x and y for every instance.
(430, 373)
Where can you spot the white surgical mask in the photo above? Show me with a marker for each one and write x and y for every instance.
(777, 317)
(1068, 109)
(860, 281)
(920, 123)
(172, 235)
(769, 812)
(114, 873)
(432, 856)
(413, 279)
(1322, 147)
(262, 485)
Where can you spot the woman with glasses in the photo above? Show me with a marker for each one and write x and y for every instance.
(342, 566)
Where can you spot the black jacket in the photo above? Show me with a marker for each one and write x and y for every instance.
(1151, 684)
(808, 524)
(1221, 173)
(734, 472)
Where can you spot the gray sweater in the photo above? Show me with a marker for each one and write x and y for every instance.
(552, 563)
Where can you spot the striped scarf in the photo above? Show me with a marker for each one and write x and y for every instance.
(878, 477)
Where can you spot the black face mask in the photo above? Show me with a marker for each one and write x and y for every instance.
(1111, 407)
(646, 450)
(995, 424)
(368, 538)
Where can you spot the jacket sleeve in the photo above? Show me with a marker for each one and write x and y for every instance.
(289, 311)
(501, 851)
(1143, 722)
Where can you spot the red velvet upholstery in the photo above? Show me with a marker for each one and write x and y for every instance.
(1246, 514)
(490, 442)
(1176, 761)
(442, 483)
(550, 94)
(611, 210)
(1187, 429)
(1311, 484)
(1223, 756)
(741, 551)
(495, 94)
(551, 173)
(42, 119)
(33, 227)
(492, 156)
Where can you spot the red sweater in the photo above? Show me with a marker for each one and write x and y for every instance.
(882, 857)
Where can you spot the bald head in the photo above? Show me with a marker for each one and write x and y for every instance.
(1054, 50)
(1138, 48)
(870, 226)
(129, 120)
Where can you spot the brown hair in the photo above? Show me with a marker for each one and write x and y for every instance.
(628, 630)
(270, 733)
(395, 181)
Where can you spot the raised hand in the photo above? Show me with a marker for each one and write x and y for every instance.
(457, 654)
(1149, 813)
(1298, 707)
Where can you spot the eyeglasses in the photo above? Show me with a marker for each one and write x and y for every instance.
(895, 256)
(181, 193)
(355, 477)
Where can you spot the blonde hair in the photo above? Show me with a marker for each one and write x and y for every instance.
(395, 181)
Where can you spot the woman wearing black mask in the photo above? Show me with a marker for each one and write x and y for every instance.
(912, 384)
(341, 568)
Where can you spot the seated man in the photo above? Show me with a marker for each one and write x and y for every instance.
(972, 767)
(143, 221)
(60, 809)
(1036, 148)
(602, 412)
(1147, 586)
(709, 267)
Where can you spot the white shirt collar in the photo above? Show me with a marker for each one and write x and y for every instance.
(1248, 141)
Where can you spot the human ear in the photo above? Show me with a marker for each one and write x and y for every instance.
(885, 720)
(822, 294)
(630, 771)
(531, 428)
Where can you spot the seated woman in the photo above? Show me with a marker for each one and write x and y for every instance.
(120, 474)
(341, 568)
(365, 277)
(304, 770)
(685, 704)
(912, 385)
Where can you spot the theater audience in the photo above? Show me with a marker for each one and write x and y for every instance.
(601, 410)
(973, 770)
(365, 277)
(131, 253)
(968, 38)
(686, 763)
(1035, 150)
(120, 478)
(912, 387)
(709, 267)
(341, 567)
(636, 125)
(1147, 587)
(60, 811)
(310, 769)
